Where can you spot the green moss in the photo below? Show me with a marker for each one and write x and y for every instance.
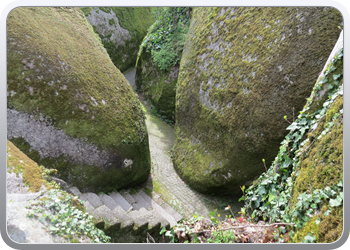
(18, 162)
(157, 85)
(322, 165)
(234, 88)
(62, 72)
(134, 19)
(86, 10)
(105, 9)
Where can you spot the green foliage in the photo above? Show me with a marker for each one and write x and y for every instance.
(222, 237)
(166, 37)
(270, 197)
(59, 208)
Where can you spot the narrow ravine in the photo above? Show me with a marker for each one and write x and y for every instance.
(165, 181)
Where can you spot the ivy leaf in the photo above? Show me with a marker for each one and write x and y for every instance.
(309, 238)
(327, 212)
(271, 197)
(265, 197)
(324, 80)
(330, 86)
(293, 126)
(332, 69)
(261, 190)
(287, 161)
(303, 121)
(336, 202)
(335, 77)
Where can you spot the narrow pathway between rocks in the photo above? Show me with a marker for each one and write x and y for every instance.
(164, 180)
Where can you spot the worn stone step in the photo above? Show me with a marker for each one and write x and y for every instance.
(140, 202)
(74, 191)
(147, 220)
(105, 219)
(158, 208)
(163, 222)
(92, 198)
(108, 201)
(127, 196)
(177, 216)
(123, 203)
(140, 218)
(127, 224)
(156, 197)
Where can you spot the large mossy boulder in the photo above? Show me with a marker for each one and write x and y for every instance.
(304, 184)
(156, 84)
(121, 30)
(68, 106)
(242, 71)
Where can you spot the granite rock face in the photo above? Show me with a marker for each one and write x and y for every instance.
(69, 107)
(242, 71)
(121, 30)
(157, 85)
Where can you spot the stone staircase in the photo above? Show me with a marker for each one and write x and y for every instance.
(128, 215)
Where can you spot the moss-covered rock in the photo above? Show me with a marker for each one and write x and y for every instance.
(242, 71)
(69, 107)
(121, 30)
(320, 164)
(304, 185)
(18, 162)
(157, 85)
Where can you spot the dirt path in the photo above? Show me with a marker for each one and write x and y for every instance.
(164, 179)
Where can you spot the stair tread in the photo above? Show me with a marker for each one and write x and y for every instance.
(108, 201)
(74, 191)
(140, 218)
(121, 201)
(158, 209)
(177, 216)
(140, 202)
(156, 197)
(126, 222)
(92, 198)
(127, 196)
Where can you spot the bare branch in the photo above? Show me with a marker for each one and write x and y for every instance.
(239, 227)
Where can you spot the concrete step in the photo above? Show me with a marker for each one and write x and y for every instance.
(140, 202)
(119, 199)
(140, 218)
(74, 191)
(114, 213)
(105, 219)
(155, 197)
(92, 198)
(158, 209)
(127, 224)
(108, 201)
(148, 220)
(127, 196)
